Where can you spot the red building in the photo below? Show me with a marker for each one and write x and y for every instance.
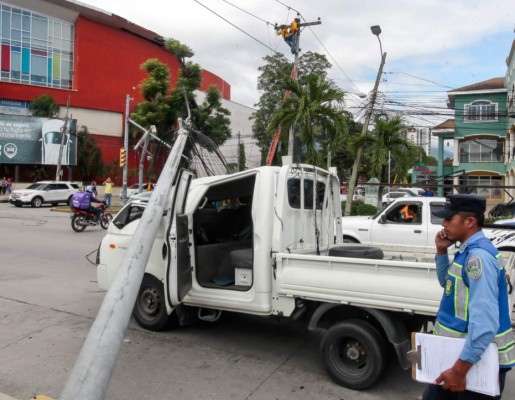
(83, 55)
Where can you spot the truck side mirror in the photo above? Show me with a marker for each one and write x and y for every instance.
(382, 219)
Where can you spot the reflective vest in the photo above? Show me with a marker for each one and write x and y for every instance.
(452, 319)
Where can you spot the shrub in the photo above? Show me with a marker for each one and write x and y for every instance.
(360, 208)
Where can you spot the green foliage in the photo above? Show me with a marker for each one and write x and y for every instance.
(359, 208)
(89, 161)
(314, 110)
(388, 138)
(44, 106)
(163, 104)
(241, 157)
(273, 75)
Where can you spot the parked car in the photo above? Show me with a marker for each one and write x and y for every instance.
(133, 189)
(391, 196)
(53, 192)
(411, 191)
(143, 196)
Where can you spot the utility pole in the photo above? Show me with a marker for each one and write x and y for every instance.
(376, 30)
(64, 131)
(128, 99)
(239, 151)
(291, 135)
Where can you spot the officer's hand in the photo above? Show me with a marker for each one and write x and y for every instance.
(442, 242)
(455, 378)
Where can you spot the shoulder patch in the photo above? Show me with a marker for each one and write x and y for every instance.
(474, 267)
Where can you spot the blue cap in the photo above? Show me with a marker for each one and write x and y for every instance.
(462, 202)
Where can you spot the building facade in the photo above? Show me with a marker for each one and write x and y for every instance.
(478, 135)
(81, 56)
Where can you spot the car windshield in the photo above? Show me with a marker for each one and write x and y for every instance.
(54, 138)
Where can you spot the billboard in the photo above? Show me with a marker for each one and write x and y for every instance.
(33, 140)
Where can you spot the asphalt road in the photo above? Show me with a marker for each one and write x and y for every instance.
(49, 298)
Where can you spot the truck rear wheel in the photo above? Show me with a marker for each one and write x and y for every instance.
(354, 354)
(150, 309)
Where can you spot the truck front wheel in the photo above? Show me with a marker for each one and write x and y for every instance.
(354, 354)
(150, 310)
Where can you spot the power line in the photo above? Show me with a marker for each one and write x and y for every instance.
(247, 12)
(237, 27)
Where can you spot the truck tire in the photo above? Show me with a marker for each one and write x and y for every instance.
(357, 252)
(354, 354)
(150, 310)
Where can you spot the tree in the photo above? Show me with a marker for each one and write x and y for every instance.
(314, 111)
(388, 137)
(274, 73)
(163, 104)
(241, 157)
(89, 162)
(44, 106)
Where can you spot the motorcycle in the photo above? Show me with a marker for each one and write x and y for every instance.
(80, 219)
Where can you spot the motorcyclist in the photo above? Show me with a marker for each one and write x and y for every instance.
(92, 199)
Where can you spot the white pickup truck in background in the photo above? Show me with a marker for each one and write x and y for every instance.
(391, 227)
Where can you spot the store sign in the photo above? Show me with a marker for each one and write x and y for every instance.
(32, 140)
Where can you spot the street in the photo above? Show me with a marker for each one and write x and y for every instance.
(49, 298)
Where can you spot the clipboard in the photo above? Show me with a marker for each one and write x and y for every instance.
(432, 354)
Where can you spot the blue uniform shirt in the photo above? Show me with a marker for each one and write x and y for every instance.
(483, 306)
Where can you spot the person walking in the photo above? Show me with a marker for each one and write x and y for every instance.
(93, 184)
(3, 186)
(9, 185)
(108, 191)
(474, 305)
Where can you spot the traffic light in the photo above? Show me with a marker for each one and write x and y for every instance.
(123, 157)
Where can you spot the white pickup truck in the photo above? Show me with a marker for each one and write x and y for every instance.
(263, 242)
(391, 227)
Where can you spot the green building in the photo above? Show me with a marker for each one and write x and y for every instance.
(482, 139)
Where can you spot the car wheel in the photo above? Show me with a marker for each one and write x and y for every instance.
(354, 354)
(78, 223)
(150, 310)
(36, 202)
(105, 220)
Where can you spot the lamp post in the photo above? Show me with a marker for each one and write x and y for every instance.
(376, 30)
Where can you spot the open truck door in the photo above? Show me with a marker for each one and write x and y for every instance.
(178, 238)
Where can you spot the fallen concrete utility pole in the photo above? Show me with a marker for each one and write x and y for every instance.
(91, 374)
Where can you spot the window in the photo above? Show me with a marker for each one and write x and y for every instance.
(481, 150)
(294, 193)
(490, 187)
(481, 110)
(35, 49)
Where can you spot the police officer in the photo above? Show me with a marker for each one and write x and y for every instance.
(474, 305)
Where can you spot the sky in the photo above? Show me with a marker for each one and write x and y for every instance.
(432, 46)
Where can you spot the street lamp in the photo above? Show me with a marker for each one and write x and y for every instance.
(376, 30)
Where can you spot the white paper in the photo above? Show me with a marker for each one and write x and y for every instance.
(439, 353)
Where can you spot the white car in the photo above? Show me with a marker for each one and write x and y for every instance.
(133, 189)
(391, 196)
(53, 192)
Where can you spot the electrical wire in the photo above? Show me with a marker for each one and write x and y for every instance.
(247, 12)
(237, 27)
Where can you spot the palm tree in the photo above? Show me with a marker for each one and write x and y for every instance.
(314, 110)
(388, 137)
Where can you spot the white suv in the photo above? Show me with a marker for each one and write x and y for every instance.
(53, 192)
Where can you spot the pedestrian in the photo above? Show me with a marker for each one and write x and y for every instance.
(108, 191)
(3, 186)
(93, 184)
(150, 186)
(9, 185)
(427, 192)
(474, 305)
